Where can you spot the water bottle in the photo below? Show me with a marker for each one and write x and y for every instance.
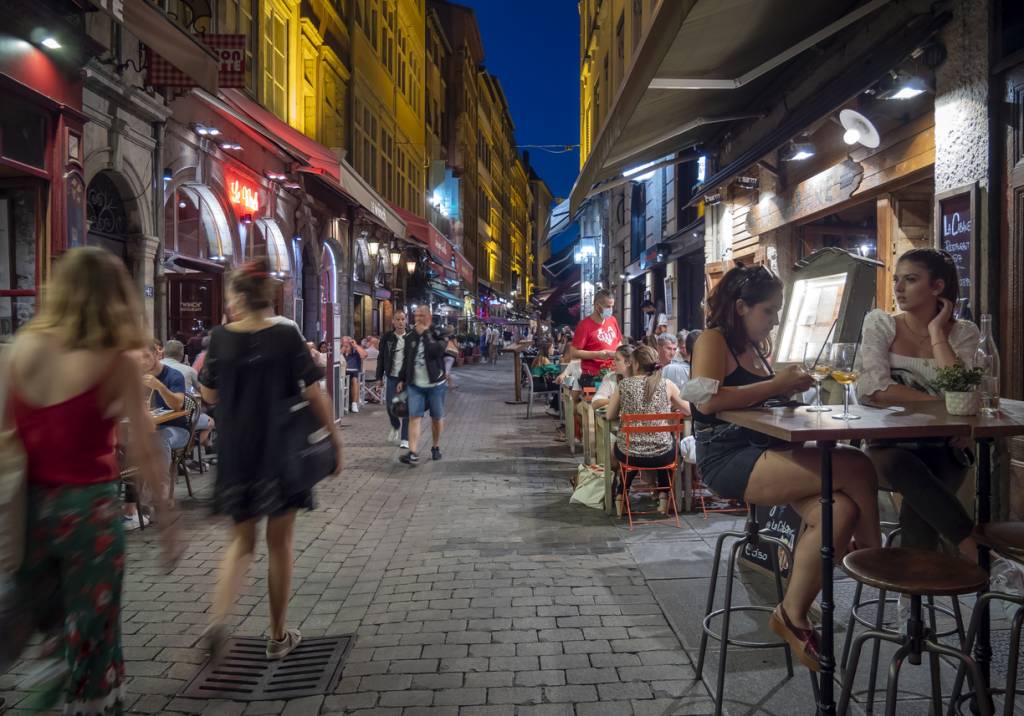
(987, 358)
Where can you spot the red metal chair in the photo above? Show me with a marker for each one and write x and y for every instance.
(631, 424)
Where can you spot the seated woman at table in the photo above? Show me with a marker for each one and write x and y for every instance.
(622, 367)
(896, 364)
(731, 372)
(645, 390)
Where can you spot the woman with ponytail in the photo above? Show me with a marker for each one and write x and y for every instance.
(730, 372)
(254, 366)
(899, 356)
(645, 390)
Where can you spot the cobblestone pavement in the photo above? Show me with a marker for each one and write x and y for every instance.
(471, 585)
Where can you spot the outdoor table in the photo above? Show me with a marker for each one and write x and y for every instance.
(569, 411)
(517, 362)
(797, 425)
(159, 418)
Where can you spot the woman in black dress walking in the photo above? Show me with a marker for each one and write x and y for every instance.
(252, 366)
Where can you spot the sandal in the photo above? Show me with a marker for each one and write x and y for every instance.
(215, 640)
(802, 641)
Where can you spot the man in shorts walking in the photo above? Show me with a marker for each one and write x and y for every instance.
(426, 382)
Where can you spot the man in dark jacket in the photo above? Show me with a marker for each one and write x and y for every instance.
(425, 381)
(391, 367)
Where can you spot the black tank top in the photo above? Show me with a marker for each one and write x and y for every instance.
(740, 376)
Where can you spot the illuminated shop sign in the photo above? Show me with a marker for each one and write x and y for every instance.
(244, 195)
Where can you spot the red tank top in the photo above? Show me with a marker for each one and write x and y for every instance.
(68, 443)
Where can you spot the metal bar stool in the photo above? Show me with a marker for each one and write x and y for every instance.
(1007, 538)
(915, 573)
(751, 535)
(879, 623)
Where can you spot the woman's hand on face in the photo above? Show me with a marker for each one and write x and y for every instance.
(792, 379)
(937, 326)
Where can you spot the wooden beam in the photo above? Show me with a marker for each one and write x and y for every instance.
(885, 220)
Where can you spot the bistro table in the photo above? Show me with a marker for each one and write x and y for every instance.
(569, 413)
(160, 417)
(517, 363)
(797, 425)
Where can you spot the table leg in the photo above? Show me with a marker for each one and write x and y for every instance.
(570, 424)
(826, 702)
(983, 500)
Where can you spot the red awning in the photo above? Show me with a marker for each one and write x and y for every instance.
(465, 268)
(428, 235)
(319, 158)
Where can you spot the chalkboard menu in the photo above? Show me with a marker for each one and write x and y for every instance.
(955, 233)
(781, 522)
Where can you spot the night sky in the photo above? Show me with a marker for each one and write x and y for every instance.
(533, 48)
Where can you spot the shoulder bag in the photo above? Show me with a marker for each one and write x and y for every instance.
(308, 456)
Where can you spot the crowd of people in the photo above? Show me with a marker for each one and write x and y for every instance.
(728, 366)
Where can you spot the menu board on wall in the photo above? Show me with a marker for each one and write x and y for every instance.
(956, 231)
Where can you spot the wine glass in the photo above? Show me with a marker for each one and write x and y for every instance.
(844, 373)
(818, 364)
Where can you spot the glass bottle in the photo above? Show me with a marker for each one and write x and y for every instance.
(987, 358)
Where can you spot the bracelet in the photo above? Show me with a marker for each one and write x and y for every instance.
(939, 343)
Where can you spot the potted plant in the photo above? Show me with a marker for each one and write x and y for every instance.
(959, 384)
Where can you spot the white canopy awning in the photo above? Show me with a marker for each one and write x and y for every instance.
(277, 249)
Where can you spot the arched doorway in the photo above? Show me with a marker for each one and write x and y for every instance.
(108, 219)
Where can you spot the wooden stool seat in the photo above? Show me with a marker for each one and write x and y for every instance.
(912, 571)
(1006, 538)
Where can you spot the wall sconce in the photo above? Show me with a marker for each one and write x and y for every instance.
(396, 256)
(410, 266)
(374, 245)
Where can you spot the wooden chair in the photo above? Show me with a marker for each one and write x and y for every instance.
(633, 424)
(179, 456)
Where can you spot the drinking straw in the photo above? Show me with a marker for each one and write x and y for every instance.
(825, 343)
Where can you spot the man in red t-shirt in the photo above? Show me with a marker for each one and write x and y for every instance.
(596, 338)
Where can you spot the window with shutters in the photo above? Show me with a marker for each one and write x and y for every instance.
(236, 18)
(275, 61)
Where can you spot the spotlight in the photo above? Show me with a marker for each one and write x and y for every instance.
(798, 151)
(230, 145)
(747, 182)
(51, 43)
(906, 87)
(168, 174)
(851, 136)
(712, 198)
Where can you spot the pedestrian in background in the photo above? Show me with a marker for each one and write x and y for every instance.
(72, 381)
(253, 367)
(425, 380)
(390, 367)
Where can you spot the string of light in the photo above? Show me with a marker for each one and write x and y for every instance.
(551, 148)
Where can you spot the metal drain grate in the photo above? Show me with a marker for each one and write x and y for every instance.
(245, 673)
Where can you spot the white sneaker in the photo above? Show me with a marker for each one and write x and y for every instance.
(393, 435)
(404, 445)
(355, 408)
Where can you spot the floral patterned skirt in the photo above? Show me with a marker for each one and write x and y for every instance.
(75, 533)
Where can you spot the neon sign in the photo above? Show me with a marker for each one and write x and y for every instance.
(244, 195)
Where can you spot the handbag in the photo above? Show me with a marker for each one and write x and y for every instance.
(308, 455)
(400, 405)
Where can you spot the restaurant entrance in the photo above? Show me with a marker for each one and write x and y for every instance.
(193, 303)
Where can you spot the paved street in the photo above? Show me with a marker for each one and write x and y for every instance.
(471, 584)
(473, 588)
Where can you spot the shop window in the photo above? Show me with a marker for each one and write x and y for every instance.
(638, 220)
(18, 230)
(196, 226)
(22, 132)
(333, 131)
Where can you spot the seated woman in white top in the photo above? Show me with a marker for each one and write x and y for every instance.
(621, 368)
(896, 363)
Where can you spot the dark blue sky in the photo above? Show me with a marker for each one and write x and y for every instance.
(533, 47)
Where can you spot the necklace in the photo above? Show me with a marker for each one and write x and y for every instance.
(920, 339)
